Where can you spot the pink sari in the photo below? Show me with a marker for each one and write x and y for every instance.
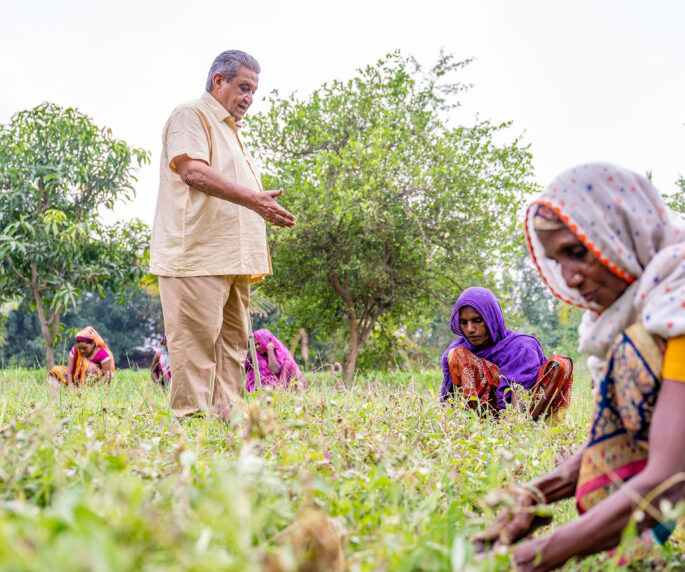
(289, 370)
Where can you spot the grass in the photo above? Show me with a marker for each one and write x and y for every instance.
(375, 472)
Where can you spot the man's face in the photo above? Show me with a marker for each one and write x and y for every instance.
(236, 95)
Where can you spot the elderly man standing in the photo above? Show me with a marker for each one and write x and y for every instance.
(209, 237)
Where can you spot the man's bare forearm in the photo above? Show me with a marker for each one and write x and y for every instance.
(206, 179)
(201, 177)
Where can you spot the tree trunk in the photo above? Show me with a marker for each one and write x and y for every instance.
(55, 319)
(351, 359)
(49, 355)
(44, 322)
(47, 336)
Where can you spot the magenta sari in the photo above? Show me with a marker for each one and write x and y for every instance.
(289, 370)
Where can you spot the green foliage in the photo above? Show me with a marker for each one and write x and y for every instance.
(260, 304)
(104, 478)
(5, 309)
(57, 171)
(23, 344)
(531, 308)
(394, 206)
(677, 201)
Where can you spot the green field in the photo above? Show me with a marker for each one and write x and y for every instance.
(104, 478)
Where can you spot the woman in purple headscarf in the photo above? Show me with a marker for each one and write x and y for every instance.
(487, 359)
(277, 367)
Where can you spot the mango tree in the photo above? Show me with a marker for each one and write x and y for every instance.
(58, 172)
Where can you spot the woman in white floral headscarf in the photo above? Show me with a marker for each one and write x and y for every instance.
(603, 239)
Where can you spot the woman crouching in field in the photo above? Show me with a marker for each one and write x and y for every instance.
(277, 367)
(89, 360)
(487, 360)
(603, 240)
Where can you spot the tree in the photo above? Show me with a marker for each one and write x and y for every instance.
(394, 206)
(58, 170)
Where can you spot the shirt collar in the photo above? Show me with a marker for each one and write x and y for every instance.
(219, 110)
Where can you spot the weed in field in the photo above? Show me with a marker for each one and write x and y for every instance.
(374, 475)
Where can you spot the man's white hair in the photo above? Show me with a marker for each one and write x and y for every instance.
(228, 63)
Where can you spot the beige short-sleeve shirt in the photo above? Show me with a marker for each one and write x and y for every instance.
(195, 234)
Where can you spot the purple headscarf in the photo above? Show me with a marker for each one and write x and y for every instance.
(289, 369)
(518, 356)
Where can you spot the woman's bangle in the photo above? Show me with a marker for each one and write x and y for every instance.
(533, 492)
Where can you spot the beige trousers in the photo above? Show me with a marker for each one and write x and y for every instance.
(205, 320)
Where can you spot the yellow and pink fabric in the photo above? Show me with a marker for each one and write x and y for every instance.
(622, 219)
(83, 368)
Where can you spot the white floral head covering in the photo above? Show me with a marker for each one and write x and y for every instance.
(622, 219)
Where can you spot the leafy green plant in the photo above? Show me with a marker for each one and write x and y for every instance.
(58, 170)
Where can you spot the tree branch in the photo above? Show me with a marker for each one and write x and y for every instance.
(342, 292)
(367, 328)
(20, 275)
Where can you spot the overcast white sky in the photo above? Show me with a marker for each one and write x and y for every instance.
(586, 80)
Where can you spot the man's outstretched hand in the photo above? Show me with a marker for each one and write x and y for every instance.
(200, 176)
(265, 205)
